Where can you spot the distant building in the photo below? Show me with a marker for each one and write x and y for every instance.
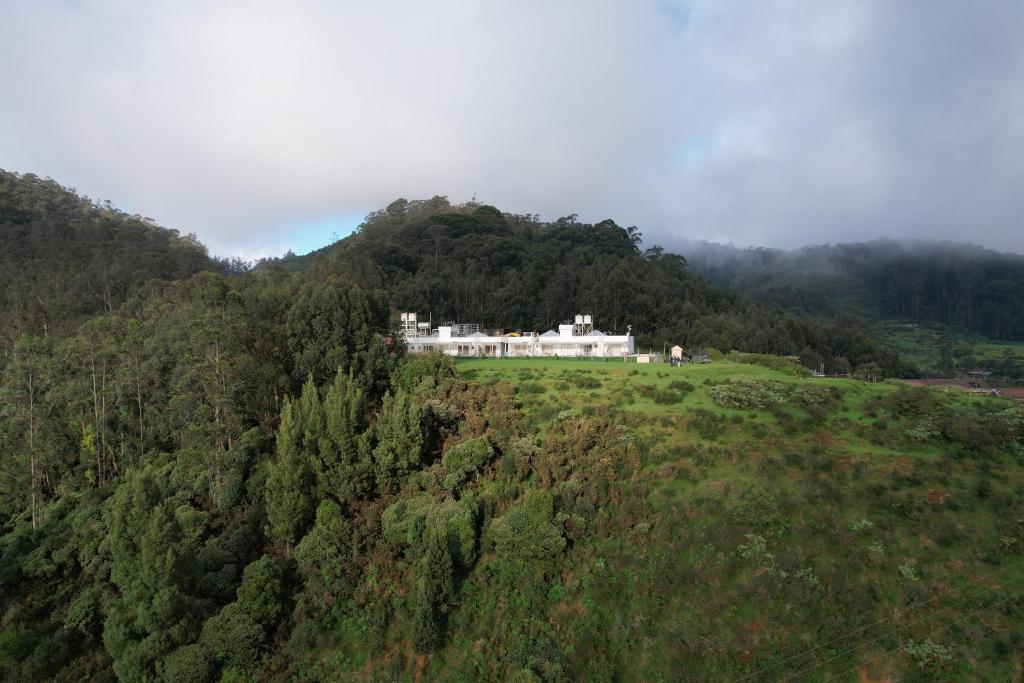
(578, 339)
(677, 352)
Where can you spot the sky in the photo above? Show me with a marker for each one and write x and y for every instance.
(268, 126)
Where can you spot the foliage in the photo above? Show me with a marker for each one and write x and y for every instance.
(746, 394)
(242, 477)
(515, 272)
(959, 285)
(928, 655)
(64, 258)
(464, 459)
(783, 364)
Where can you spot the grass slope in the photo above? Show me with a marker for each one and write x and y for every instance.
(852, 537)
(923, 346)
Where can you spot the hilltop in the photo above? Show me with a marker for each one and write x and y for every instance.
(64, 258)
(242, 475)
(474, 263)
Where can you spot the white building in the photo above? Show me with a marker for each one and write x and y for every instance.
(575, 340)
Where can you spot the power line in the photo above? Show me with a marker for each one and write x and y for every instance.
(932, 632)
(909, 610)
(866, 642)
(879, 637)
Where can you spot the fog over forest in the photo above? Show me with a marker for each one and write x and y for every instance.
(268, 127)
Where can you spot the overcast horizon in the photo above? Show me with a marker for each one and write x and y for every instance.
(263, 127)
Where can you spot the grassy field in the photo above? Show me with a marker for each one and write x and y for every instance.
(924, 347)
(548, 386)
(842, 530)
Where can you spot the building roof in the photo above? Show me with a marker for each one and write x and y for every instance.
(597, 333)
(550, 333)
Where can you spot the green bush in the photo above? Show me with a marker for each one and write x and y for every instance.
(188, 664)
(463, 459)
(407, 523)
(755, 506)
(531, 388)
(708, 424)
(260, 593)
(784, 364)
(526, 531)
(233, 638)
(746, 394)
(927, 655)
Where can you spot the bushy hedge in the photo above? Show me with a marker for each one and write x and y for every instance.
(747, 394)
(784, 364)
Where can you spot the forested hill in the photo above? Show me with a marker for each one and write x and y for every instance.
(473, 263)
(239, 476)
(963, 286)
(64, 258)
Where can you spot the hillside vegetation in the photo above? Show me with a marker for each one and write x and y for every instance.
(242, 476)
(472, 263)
(961, 286)
(64, 258)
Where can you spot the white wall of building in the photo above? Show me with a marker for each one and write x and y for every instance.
(571, 341)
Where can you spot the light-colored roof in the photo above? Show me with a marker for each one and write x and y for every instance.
(550, 333)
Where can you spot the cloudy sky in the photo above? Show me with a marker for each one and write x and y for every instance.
(263, 126)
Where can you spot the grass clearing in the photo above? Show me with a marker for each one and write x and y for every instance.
(777, 530)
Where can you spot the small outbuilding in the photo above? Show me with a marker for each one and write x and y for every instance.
(677, 352)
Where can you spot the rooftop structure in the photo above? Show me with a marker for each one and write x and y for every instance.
(578, 339)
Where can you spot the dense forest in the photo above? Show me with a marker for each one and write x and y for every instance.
(472, 263)
(962, 286)
(64, 258)
(215, 475)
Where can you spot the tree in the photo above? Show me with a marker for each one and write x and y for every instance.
(26, 381)
(290, 480)
(153, 613)
(344, 469)
(260, 594)
(400, 440)
(434, 592)
(328, 325)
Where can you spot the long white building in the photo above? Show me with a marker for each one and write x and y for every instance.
(574, 340)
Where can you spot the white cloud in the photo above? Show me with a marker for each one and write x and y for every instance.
(778, 122)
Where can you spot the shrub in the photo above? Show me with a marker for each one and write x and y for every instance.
(463, 459)
(708, 424)
(755, 506)
(928, 655)
(408, 521)
(233, 637)
(814, 395)
(860, 525)
(745, 394)
(587, 382)
(188, 664)
(260, 593)
(784, 364)
(526, 531)
(532, 388)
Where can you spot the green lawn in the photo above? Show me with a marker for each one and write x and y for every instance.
(923, 347)
(868, 503)
(548, 386)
